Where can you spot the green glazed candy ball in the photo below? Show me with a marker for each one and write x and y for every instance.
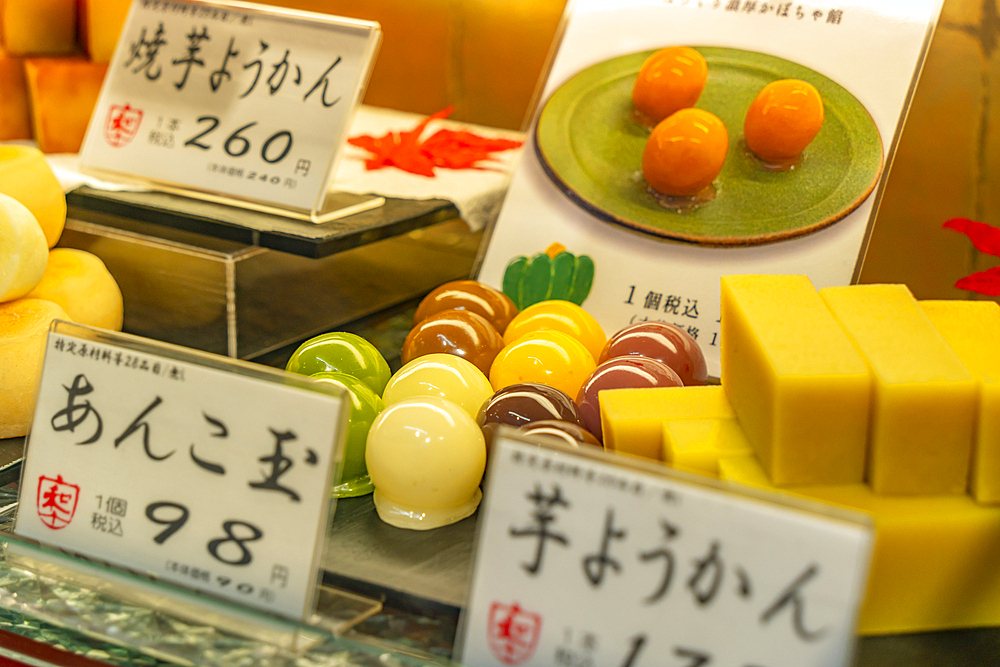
(365, 406)
(341, 352)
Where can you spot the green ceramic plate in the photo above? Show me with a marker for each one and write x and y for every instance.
(590, 145)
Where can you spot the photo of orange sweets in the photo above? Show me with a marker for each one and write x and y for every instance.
(669, 80)
(783, 119)
(685, 152)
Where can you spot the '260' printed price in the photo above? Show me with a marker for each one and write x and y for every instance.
(274, 149)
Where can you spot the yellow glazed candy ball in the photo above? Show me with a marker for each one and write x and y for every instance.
(426, 457)
(443, 375)
(80, 283)
(23, 252)
(558, 315)
(685, 152)
(783, 119)
(551, 358)
(669, 80)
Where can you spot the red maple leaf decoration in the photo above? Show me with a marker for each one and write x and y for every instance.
(985, 239)
(448, 149)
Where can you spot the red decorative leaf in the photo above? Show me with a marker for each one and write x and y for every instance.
(984, 237)
(984, 282)
(445, 148)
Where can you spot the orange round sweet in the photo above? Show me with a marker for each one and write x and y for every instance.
(783, 119)
(669, 80)
(685, 152)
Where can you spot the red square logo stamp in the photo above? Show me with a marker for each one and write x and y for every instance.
(513, 632)
(122, 126)
(56, 501)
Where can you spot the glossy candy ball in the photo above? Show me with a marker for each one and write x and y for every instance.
(685, 152)
(664, 342)
(472, 296)
(365, 407)
(621, 373)
(522, 404)
(462, 333)
(426, 457)
(783, 119)
(442, 375)
(557, 315)
(544, 357)
(570, 433)
(341, 352)
(669, 80)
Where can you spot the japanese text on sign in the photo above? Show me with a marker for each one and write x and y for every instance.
(200, 92)
(682, 575)
(193, 474)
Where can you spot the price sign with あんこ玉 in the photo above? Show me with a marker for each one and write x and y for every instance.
(587, 560)
(198, 470)
(248, 102)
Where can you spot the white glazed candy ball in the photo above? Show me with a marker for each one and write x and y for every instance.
(443, 375)
(426, 457)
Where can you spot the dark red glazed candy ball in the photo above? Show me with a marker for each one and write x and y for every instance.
(621, 373)
(520, 404)
(663, 342)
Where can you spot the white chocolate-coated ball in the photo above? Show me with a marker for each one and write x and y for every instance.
(426, 457)
(443, 375)
(23, 250)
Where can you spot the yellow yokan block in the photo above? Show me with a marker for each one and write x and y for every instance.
(924, 400)
(696, 445)
(744, 469)
(38, 27)
(972, 329)
(101, 23)
(797, 385)
(632, 419)
(63, 93)
(15, 114)
(934, 563)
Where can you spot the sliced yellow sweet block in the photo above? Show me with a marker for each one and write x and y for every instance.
(934, 564)
(799, 388)
(25, 176)
(63, 95)
(632, 419)
(23, 252)
(696, 445)
(744, 469)
(38, 27)
(924, 400)
(79, 282)
(15, 115)
(24, 324)
(972, 329)
(101, 23)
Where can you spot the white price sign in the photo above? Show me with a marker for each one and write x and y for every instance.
(583, 561)
(231, 98)
(204, 473)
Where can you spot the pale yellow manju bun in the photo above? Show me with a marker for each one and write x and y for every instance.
(24, 324)
(79, 282)
(23, 252)
(27, 177)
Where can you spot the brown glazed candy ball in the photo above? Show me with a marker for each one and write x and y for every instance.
(520, 404)
(460, 332)
(663, 342)
(572, 434)
(621, 373)
(469, 295)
